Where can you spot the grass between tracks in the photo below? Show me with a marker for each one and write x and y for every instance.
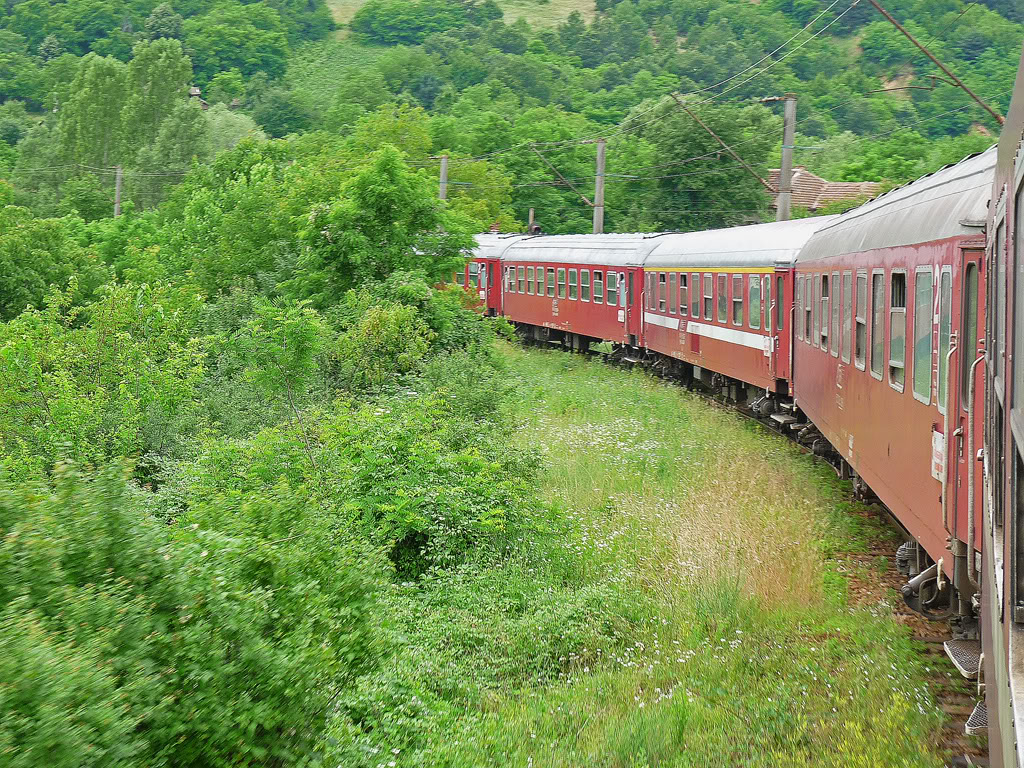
(682, 606)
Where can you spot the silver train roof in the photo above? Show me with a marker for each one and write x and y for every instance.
(755, 245)
(950, 202)
(615, 250)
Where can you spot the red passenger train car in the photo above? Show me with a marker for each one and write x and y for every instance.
(885, 336)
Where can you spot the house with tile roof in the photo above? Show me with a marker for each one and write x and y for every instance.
(813, 192)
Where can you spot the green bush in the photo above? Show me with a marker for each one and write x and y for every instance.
(219, 641)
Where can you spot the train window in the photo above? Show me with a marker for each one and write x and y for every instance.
(613, 289)
(490, 273)
(629, 288)
(460, 277)
(847, 315)
(707, 296)
(507, 280)
(1000, 313)
(807, 309)
(945, 322)
(561, 282)
(836, 310)
(695, 295)
(572, 285)
(723, 299)
(923, 314)
(649, 290)
(474, 274)
(673, 296)
(824, 313)
(1017, 395)
(551, 281)
(877, 322)
(598, 287)
(522, 280)
(969, 338)
(754, 309)
(684, 294)
(897, 329)
(780, 293)
(529, 280)
(816, 302)
(860, 336)
(800, 307)
(662, 291)
(737, 299)
(585, 284)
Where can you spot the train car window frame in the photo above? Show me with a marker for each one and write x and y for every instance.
(737, 300)
(968, 330)
(598, 287)
(754, 302)
(945, 331)
(837, 310)
(709, 300)
(799, 308)
(507, 280)
(826, 313)
(695, 295)
(529, 280)
(629, 288)
(808, 308)
(673, 292)
(684, 295)
(662, 291)
(460, 277)
(846, 343)
(780, 304)
(521, 279)
(898, 311)
(924, 326)
(876, 340)
(551, 282)
(860, 322)
(573, 285)
(612, 289)
(474, 274)
(649, 291)
(722, 300)
(815, 307)
(561, 282)
(999, 356)
(585, 285)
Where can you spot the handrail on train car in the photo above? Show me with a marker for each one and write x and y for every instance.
(945, 432)
(972, 571)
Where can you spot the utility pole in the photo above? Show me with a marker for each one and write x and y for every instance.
(444, 177)
(785, 199)
(599, 190)
(117, 190)
(999, 118)
(529, 227)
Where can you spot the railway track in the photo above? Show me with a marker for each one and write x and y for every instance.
(956, 697)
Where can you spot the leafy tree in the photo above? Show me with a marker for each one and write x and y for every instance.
(280, 111)
(225, 87)
(164, 22)
(158, 78)
(248, 38)
(226, 128)
(92, 132)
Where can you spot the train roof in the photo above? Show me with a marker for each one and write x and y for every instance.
(755, 245)
(950, 202)
(491, 246)
(614, 250)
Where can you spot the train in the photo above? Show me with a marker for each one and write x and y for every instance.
(888, 339)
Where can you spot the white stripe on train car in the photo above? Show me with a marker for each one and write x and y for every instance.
(664, 322)
(733, 336)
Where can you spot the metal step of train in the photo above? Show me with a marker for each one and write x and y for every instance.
(784, 420)
(977, 723)
(965, 655)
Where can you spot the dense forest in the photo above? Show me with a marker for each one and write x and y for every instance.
(259, 505)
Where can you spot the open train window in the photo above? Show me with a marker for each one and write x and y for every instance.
(897, 329)
(598, 287)
(613, 289)
(723, 300)
(945, 326)
(673, 296)
(799, 307)
(847, 315)
(649, 290)
(808, 305)
(877, 322)
(585, 284)
(662, 291)
(860, 336)
(695, 295)
(825, 315)
(836, 308)
(507, 279)
(572, 285)
(923, 313)
(521, 272)
(708, 304)
(684, 295)
(754, 307)
(737, 299)
(551, 281)
(969, 337)
(529, 280)
(474, 274)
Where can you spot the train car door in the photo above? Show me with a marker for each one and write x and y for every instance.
(777, 322)
(961, 332)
